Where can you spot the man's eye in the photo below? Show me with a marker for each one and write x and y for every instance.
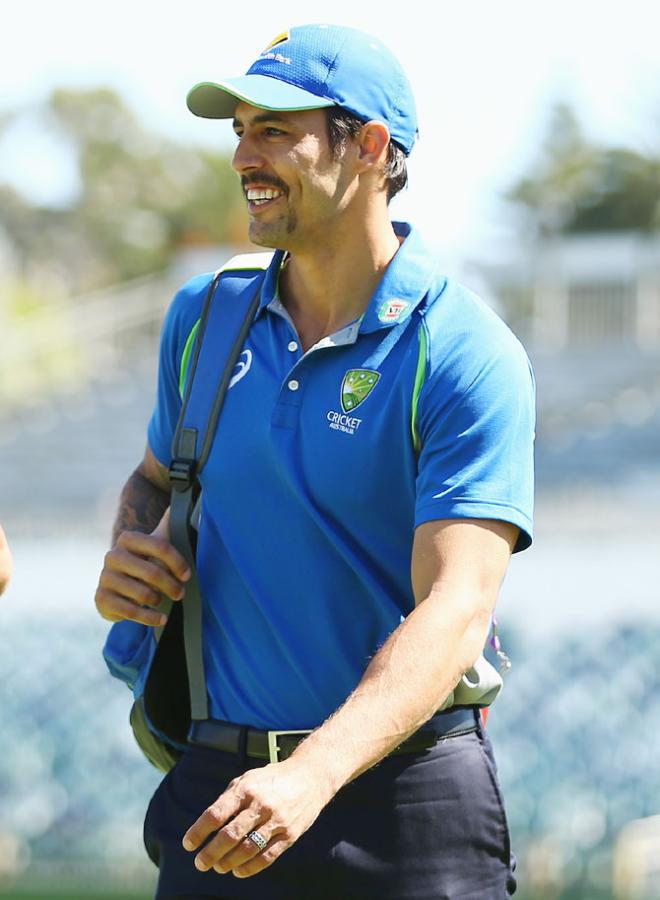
(274, 132)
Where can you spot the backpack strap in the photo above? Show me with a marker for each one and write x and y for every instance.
(229, 308)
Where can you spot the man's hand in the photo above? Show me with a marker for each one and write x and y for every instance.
(136, 572)
(280, 801)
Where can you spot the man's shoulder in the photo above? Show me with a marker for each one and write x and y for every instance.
(194, 290)
(186, 307)
(456, 313)
(467, 337)
(451, 310)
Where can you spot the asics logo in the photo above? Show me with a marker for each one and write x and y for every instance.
(241, 368)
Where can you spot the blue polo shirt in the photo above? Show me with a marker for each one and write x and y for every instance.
(323, 465)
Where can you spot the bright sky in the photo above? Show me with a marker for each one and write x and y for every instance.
(484, 73)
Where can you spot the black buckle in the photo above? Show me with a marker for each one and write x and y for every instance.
(182, 473)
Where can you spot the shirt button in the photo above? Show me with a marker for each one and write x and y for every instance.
(292, 346)
(293, 385)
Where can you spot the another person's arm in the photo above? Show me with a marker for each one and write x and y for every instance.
(142, 563)
(457, 569)
(6, 563)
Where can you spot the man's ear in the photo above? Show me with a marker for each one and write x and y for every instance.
(372, 143)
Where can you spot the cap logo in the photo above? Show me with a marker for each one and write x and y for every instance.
(278, 57)
(284, 36)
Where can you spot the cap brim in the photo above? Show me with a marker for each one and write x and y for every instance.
(218, 100)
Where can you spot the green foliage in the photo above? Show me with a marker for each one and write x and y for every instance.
(141, 196)
(578, 186)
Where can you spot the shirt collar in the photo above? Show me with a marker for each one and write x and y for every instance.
(269, 290)
(404, 285)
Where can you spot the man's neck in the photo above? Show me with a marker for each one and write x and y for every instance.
(328, 287)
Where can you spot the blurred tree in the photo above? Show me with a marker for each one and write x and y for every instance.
(578, 186)
(141, 197)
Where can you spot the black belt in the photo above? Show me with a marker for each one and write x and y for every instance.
(277, 745)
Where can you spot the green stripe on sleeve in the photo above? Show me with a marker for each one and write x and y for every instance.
(420, 377)
(185, 359)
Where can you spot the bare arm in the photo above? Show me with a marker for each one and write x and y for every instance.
(144, 498)
(457, 569)
(6, 563)
(142, 564)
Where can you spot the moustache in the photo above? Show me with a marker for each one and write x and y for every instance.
(261, 180)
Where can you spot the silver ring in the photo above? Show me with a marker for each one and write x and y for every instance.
(258, 840)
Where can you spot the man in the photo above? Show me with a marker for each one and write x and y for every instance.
(370, 477)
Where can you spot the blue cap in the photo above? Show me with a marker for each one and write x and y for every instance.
(314, 66)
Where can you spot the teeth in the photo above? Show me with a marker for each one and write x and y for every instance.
(256, 195)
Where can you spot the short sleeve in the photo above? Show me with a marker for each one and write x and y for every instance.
(178, 326)
(476, 419)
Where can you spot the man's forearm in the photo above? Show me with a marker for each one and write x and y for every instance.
(404, 685)
(141, 506)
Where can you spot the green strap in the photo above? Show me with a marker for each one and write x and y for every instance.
(185, 359)
(420, 377)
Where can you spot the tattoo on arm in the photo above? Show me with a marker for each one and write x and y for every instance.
(141, 506)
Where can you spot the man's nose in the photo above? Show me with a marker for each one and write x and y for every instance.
(246, 156)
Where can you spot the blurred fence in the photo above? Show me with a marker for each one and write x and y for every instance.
(578, 749)
(72, 785)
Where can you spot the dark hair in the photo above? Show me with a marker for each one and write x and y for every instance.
(343, 124)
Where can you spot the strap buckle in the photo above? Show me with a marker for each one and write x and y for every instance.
(274, 748)
(182, 473)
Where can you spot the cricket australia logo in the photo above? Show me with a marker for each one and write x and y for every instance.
(355, 388)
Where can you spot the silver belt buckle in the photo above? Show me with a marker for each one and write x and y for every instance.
(273, 746)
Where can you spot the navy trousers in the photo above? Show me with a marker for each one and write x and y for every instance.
(428, 826)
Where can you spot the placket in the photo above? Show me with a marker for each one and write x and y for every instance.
(286, 412)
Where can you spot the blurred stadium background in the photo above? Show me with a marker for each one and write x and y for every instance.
(83, 288)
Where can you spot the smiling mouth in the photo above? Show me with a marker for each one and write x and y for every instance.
(257, 197)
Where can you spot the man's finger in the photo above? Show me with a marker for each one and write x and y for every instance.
(115, 609)
(131, 589)
(162, 530)
(230, 847)
(151, 574)
(150, 545)
(276, 847)
(246, 850)
(212, 819)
